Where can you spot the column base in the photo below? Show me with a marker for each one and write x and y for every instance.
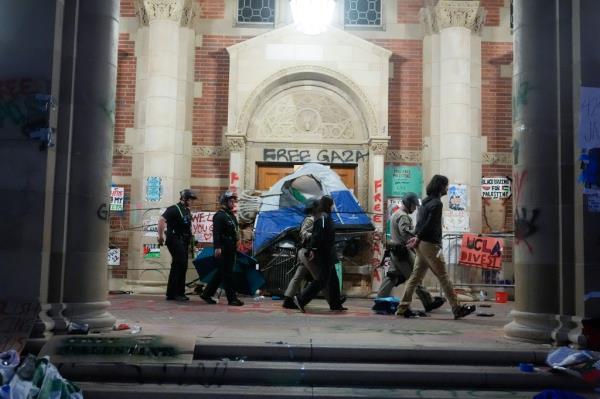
(147, 286)
(43, 325)
(531, 327)
(562, 331)
(93, 314)
(55, 313)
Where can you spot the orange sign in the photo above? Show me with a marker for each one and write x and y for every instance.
(484, 252)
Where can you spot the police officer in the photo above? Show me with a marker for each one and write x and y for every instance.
(226, 234)
(177, 221)
(403, 258)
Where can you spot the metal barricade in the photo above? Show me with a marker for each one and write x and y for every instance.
(280, 269)
(471, 276)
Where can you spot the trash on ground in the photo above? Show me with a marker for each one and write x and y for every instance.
(121, 326)
(526, 367)
(485, 314)
(557, 394)
(136, 329)
(485, 305)
(386, 305)
(579, 363)
(77, 328)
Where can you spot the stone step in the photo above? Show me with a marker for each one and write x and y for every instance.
(290, 374)
(281, 351)
(174, 391)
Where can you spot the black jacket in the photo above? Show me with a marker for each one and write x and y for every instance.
(322, 240)
(429, 220)
(225, 231)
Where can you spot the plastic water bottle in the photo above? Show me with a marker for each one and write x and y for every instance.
(482, 296)
(259, 298)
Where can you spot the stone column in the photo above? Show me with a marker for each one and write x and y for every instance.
(377, 151)
(452, 98)
(93, 103)
(537, 171)
(237, 162)
(162, 150)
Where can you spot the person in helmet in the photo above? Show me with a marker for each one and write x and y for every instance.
(305, 268)
(176, 224)
(403, 258)
(226, 234)
(321, 250)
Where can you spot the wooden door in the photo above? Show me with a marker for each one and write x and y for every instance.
(267, 175)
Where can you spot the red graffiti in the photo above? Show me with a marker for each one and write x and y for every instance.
(378, 184)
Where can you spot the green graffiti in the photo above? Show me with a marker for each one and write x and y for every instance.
(520, 99)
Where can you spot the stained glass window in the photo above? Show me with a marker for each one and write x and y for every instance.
(362, 12)
(256, 11)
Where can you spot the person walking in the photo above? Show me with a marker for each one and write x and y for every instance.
(403, 258)
(428, 245)
(176, 224)
(321, 250)
(304, 268)
(226, 234)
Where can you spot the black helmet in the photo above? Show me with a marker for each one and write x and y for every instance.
(311, 205)
(226, 196)
(411, 199)
(187, 194)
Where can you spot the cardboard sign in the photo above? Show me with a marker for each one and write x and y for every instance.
(202, 226)
(400, 180)
(495, 187)
(117, 198)
(114, 257)
(484, 252)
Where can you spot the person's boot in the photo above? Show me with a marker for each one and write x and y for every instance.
(299, 305)
(288, 303)
(235, 302)
(463, 310)
(208, 300)
(409, 313)
(438, 301)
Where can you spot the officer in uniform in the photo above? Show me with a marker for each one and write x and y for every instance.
(226, 234)
(177, 221)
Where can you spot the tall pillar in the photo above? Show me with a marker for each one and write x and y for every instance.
(540, 235)
(377, 151)
(28, 68)
(93, 105)
(237, 162)
(162, 149)
(452, 99)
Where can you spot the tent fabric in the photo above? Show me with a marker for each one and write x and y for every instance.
(282, 207)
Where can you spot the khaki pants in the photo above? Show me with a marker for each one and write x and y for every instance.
(428, 257)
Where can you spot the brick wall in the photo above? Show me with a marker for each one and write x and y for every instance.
(127, 8)
(405, 93)
(212, 9)
(119, 233)
(496, 110)
(408, 11)
(493, 11)
(209, 118)
(125, 101)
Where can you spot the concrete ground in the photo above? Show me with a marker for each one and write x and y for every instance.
(267, 321)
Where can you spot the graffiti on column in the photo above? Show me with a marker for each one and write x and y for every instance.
(523, 90)
(377, 218)
(589, 142)
(524, 221)
(234, 179)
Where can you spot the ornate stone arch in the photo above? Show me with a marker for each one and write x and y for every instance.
(315, 76)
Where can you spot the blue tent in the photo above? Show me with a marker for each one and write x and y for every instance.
(282, 207)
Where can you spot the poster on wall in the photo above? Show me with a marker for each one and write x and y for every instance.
(400, 180)
(117, 198)
(153, 188)
(202, 225)
(150, 225)
(483, 252)
(589, 142)
(114, 257)
(456, 215)
(151, 251)
(495, 187)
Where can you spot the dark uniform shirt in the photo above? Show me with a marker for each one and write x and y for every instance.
(323, 237)
(179, 221)
(225, 230)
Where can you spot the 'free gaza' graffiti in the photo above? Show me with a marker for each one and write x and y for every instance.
(314, 155)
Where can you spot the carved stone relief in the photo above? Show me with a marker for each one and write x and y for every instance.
(122, 150)
(206, 151)
(236, 144)
(403, 156)
(497, 158)
(180, 11)
(378, 148)
(447, 14)
(307, 113)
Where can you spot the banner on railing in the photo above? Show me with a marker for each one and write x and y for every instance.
(484, 252)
